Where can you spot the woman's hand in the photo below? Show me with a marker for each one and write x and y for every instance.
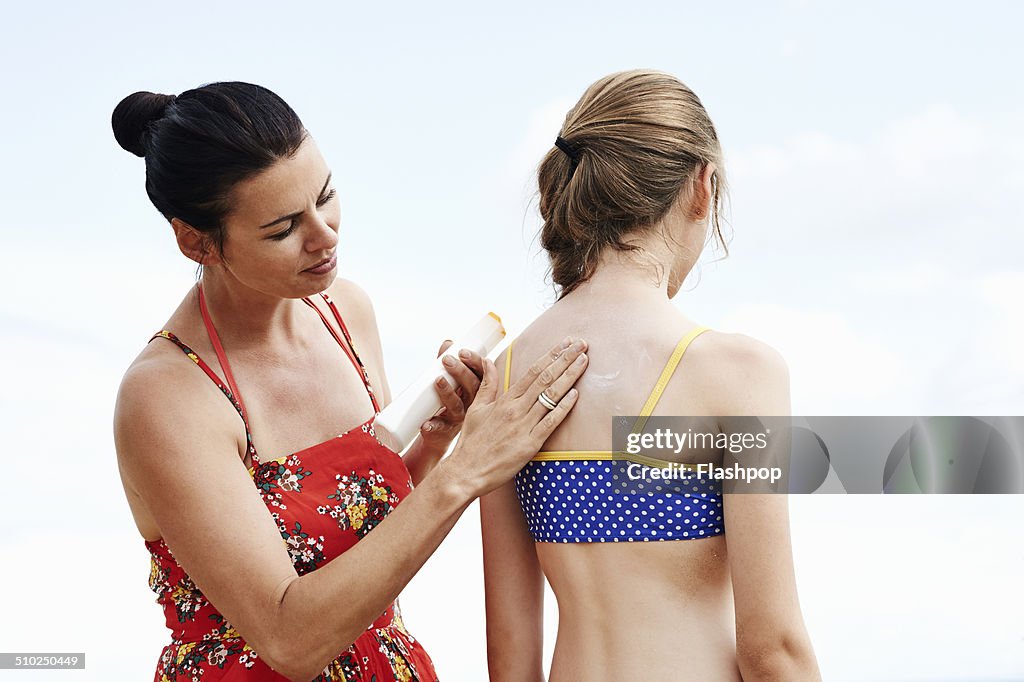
(502, 433)
(467, 369)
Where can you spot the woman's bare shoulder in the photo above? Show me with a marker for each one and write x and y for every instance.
(162, 391)
(155, 374)
(162, 366)
(356, 310)
(355, 306)
(352, 300)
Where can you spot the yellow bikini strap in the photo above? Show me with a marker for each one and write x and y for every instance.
(666, 375)
(508, 365)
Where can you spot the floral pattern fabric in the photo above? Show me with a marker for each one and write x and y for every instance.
(323, 500)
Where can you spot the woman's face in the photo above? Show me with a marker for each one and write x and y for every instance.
(284, 223)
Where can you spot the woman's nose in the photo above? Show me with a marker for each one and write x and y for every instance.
(324, 235)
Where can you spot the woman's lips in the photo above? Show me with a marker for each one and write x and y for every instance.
(325, 267)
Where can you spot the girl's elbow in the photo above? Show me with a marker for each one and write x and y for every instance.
(514, 658)
(783, 655)
(512, 669)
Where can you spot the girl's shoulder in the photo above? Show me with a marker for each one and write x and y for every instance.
(738, 374)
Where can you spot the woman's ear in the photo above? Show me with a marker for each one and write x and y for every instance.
(193, 243)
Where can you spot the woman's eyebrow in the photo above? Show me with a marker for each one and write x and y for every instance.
(298, 213)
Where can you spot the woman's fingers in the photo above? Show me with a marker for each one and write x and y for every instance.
(502, 433)
(464, 371)
(453, 405)
(559, 388)
(524, 382)
(473, 361)
(554, 369)
(488, 392)
(549, 422)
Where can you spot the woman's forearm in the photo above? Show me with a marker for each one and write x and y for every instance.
(323, 612)
(420, 459)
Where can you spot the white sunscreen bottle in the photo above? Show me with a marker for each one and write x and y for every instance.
(399, 422)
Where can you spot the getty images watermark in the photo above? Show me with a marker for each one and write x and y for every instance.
(669, 440)
(809, 454)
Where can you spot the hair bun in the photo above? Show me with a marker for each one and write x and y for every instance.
(133, 115)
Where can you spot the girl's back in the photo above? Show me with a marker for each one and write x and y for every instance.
(677, 593)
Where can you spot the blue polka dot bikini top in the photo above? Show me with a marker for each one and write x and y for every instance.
(572, 495)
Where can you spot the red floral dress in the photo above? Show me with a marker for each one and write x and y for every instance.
(324, 499)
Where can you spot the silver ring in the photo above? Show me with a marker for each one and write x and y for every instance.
(547, 402)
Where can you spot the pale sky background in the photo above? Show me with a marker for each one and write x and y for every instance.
(875, 154)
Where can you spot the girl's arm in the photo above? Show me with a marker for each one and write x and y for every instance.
(514, 590)
(513, 587)
(771, 640)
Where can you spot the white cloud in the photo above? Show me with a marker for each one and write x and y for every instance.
(938, 183)
(835, 368)
(1003, 292)
(914, 278)
(937, 144)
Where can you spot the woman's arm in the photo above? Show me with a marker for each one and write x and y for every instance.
(513, 588)
(176, 454)
(771, 640)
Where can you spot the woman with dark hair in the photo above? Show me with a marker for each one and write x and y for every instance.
(650, 586)
(256, 512)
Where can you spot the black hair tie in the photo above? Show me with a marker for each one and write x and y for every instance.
(571, 151)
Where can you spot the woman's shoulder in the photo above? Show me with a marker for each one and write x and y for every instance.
(170, 377)
(176, 344)
(166, 410)
(163, 383)
(356, 310)
(351, 299)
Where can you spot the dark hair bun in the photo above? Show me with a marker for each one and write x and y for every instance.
(133, 115)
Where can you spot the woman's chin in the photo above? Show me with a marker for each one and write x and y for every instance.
(312, 285)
